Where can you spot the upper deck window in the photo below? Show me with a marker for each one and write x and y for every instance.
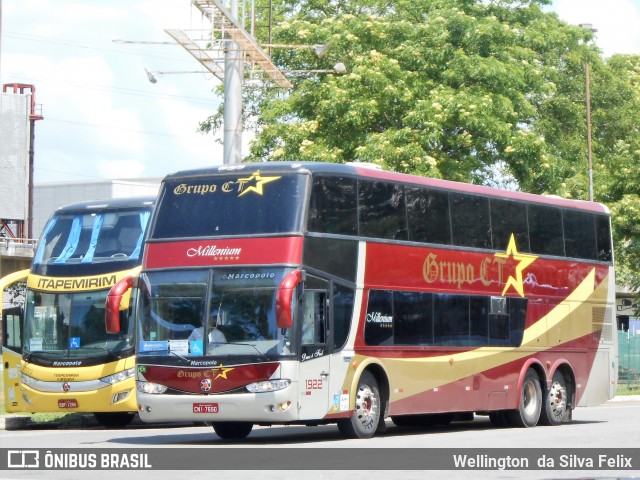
(388, 210)
(470, 226)
(381, 210)
(226, 205)
(333, 206)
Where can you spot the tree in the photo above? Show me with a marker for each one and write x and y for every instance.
(450, 89)
(16, 293)
(489, 92)
(618, 160)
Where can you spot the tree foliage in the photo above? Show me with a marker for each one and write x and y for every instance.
(489, 92)
(16, 292)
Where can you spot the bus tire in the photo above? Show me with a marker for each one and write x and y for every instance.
(365, 419)
(555, 401)
(232, 430)
(114, 419)
(415, 421)
(529, 409)
(499, 418)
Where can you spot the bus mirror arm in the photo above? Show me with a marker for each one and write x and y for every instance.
(284, 299)
(114, 303)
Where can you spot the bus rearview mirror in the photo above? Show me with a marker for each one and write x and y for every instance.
(284, 299)
(117, 298)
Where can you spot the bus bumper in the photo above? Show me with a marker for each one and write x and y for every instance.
(119, 397)
(269, 407)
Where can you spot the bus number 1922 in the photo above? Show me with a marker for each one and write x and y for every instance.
(313, 384)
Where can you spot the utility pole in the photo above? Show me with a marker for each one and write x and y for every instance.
(589, 156)
(233, 75)
(588, 26)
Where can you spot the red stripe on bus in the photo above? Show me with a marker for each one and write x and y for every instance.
(454, 271)
(247, 251)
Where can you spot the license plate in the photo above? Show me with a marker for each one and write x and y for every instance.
(67, 403)
(205, 408)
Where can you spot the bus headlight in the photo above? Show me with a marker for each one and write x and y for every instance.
(148, 387)
(119, 377)
(268, 386)
(27, 380)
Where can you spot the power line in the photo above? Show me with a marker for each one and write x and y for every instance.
(112, 127)
(85, 46)
(74, 173)
(120, 90)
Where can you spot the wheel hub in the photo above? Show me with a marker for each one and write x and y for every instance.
(366, 406)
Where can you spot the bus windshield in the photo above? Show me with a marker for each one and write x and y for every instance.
(219, 313)
(87, 241)
(71, 326)
(224, 205)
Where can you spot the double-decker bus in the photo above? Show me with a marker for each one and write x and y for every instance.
(57, 353)
(305, 293)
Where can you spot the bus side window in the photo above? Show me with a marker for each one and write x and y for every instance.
(313, 317)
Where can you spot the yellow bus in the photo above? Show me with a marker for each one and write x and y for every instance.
(57, 354)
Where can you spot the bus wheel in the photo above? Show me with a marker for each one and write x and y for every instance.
(366, 416)
(499, 418)
(232, 430)
(114, 419)
(555, 401)
(528, 412)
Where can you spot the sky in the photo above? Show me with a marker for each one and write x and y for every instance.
(103, 119)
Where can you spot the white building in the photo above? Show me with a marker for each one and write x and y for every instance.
(49, 196)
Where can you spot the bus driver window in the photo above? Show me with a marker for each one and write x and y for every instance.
(313, 317)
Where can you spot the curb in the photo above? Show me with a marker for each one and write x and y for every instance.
(24, 422)
(623, 399)
(14, 422)
(77, 421)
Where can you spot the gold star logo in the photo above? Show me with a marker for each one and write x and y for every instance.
(222, 372)
(523, 260)
(259, 182)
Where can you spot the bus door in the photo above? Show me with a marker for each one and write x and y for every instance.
(12, 333)
(314, 355)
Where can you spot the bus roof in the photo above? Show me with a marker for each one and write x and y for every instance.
(110, 203)
(363, 170)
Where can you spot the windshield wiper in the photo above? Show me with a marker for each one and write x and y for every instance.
(179, 356)
(56, 353)
(262, 354)
(94, 347)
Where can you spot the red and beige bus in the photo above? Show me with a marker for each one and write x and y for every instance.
(57, 354)
(313, 293)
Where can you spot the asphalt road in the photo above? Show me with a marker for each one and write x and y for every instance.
(615, 425)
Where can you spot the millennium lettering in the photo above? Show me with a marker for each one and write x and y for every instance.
(377, 317)
(213, 251)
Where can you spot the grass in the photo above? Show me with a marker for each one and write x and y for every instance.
(624, 389)
(35, 417)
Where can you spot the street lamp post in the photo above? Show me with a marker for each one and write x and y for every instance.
(588, 26)
(589, 156)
